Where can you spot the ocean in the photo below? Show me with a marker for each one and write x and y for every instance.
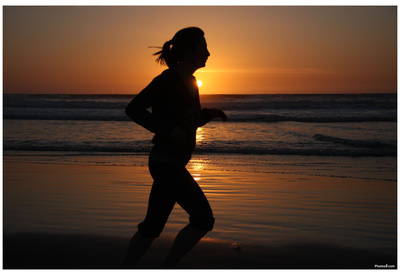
(347, 136)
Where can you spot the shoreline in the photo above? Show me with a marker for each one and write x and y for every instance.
(217, 164)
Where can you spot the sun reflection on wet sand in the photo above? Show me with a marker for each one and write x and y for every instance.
(197, 177)
(196, 168)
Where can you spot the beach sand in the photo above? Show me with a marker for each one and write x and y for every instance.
(73, 251)
(63, 216)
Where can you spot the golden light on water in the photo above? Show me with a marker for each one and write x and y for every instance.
(198, 165)
(200, 134)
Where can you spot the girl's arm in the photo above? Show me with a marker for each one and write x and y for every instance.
(208, 114)
(138, 111)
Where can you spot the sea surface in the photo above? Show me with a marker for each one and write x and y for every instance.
(347, 136)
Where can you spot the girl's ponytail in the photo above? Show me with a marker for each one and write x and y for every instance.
(165, 56)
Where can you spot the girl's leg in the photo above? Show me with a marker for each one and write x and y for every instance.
(172, 182)
(187, 238)
(193, 200)
(161, 203)
(137, 247)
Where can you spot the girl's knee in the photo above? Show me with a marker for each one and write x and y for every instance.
(150, 231)
(204, 223)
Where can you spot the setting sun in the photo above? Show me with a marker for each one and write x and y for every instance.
(199, 83)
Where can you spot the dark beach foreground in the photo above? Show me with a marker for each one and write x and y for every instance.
(74, 251)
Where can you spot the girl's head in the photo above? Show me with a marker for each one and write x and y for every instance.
(187, 44)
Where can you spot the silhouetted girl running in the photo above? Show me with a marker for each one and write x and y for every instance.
(176, 114)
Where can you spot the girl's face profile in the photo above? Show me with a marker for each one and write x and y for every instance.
(200, 54)
(203, 51)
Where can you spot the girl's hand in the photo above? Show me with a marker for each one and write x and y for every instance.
(218, 113)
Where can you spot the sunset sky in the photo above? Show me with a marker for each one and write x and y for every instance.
(267, 49)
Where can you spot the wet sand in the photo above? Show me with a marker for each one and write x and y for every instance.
(81, 216)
